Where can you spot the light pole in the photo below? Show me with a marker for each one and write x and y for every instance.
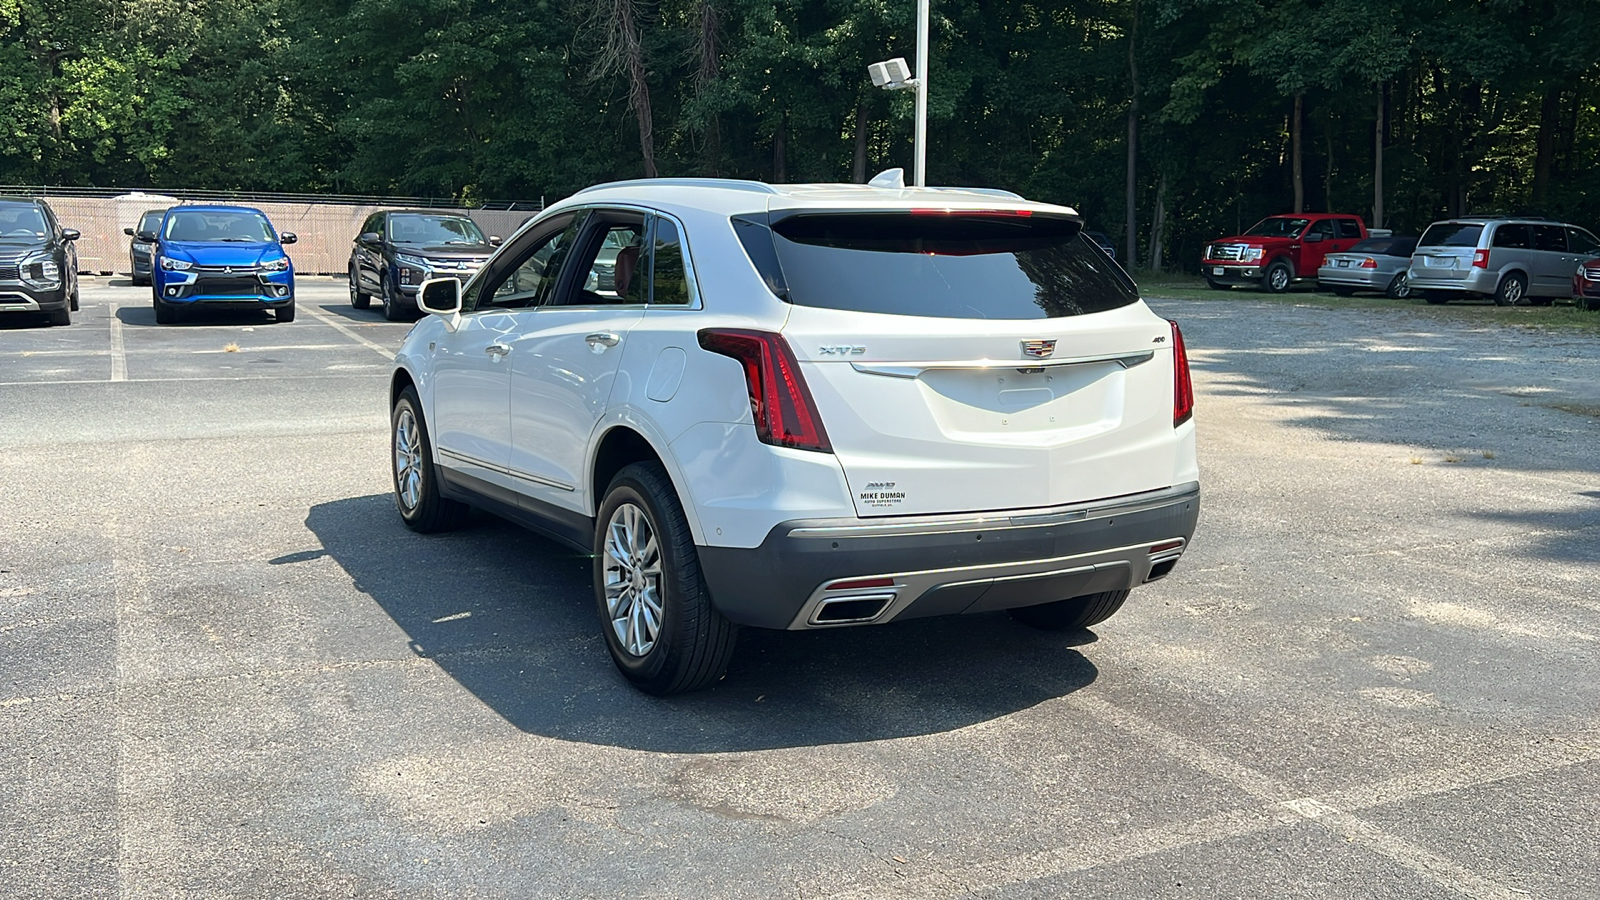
(895, 75)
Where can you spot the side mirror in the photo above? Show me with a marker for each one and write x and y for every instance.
(440, 297)
(496, 240)
(149, 237)
(288, 237)
(1314, 237)
(128, 232)
(70, 234)
(369, 237)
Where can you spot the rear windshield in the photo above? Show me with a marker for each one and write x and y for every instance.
(945, 265)
(1278, 226)
(1451, 234)
(1386, 246)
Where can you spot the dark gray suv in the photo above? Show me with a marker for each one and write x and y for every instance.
(38, 262)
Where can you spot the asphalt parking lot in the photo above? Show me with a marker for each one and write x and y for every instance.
(226, 670)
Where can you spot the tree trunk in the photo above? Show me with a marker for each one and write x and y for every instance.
(780, 153)
(1377, 163)
(1545, 144)
(1295, 154)
(1131, 258)
(1158, 224)
(858, 165)
(623, 52)
(709, 51)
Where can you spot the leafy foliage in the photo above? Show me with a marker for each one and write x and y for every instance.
(1489, 105)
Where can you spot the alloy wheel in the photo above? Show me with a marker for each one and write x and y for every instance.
(633, 579)
(1402, 286)
(1280, 279)
(407, 460)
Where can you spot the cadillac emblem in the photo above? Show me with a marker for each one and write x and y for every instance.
(1038, 349)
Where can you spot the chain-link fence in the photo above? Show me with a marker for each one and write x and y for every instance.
(326, 226)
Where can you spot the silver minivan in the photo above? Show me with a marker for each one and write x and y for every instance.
(1512, 260)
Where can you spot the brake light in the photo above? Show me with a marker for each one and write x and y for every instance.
(780, 402)
(1020, 213)
(1182, 386)
(1369, 263)
(1480, 259)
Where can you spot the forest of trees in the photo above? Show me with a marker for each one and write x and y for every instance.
(1191, 118)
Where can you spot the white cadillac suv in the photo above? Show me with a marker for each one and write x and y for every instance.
(805, 406)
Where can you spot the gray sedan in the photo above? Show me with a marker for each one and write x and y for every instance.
(1375, 264)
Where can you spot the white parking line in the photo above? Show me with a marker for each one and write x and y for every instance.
(386, 352)
(119, 358)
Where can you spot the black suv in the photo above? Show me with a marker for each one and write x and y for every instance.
(38, 264)
(399, 249)
(142, 255)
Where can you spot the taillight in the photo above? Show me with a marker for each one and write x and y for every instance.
(1369, 263)
(1480, 259)
(1182, 386)
(780, 402)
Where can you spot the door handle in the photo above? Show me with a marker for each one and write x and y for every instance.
(602, 339)
(498, 350)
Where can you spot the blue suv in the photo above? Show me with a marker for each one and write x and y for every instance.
(219, 257)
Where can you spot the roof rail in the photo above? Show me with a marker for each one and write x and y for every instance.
(732, 184)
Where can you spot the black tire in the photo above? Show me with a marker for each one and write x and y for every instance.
(358, 299)
(166, 313)
(422, 507)
(1437, 298)
(1344, 291)
(284, 313)
(62, 316)
(1399, 288)
(1512, 291)
(74, 298)
(141, 280)
(1590, 304)
(1277, 278)
(692, 642)
(391, 303)
(1073, 614)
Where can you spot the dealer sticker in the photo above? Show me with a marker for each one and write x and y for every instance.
(881, 495)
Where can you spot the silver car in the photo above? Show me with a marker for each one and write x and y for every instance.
(1513, 260)
(1375, 264)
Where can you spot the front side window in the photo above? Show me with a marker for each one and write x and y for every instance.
(408, 228)
(978, 265)
(1582, 241)
(531, 278)
(151, 221)
(241, 227)
(1278, 226)
(669, 276)
(1324, 228)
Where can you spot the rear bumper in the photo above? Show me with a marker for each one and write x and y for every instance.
(941, 565)
(1478, 281)
(1360, 279)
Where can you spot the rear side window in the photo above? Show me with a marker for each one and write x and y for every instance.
(1451, 234)
(1513, 237)
(945, 265)
(1349, 228)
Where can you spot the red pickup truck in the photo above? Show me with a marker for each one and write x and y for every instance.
(1279, 250)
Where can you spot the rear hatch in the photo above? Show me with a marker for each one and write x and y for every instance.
(976, 360)
(1446, 250)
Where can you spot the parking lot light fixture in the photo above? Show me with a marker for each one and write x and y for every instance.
(895, 75)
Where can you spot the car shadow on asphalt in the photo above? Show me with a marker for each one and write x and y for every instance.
(145, 315)
(510, 616)
(368, 316)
